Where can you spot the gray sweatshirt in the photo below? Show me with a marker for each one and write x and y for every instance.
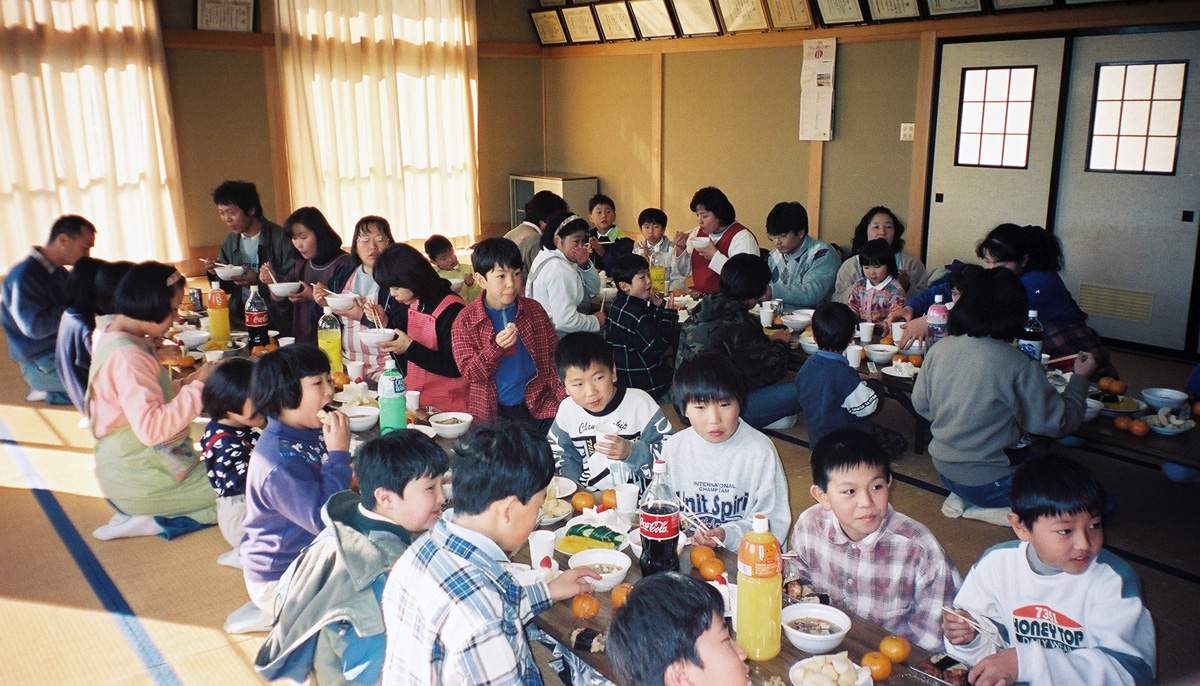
(726, 484)
(983, 396)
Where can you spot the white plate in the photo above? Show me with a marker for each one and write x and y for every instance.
(560, 533)
(547, 521)
(563, 486)
(1173, 430)
(1108, 412)
(347, 396)
(427, 430)
(891, 371)
(867, 681)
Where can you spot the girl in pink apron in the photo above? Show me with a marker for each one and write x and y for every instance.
(423, 321)
(371, 236)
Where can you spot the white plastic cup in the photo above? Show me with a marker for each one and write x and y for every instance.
(204, 323)
(627, 498)
(541, 546)
(897, 332)
(766, 314)
(354, 370)
(412, 400)
(1045, 358)
(214, 355)
(286, 340)
(865, 331)
(854, 355)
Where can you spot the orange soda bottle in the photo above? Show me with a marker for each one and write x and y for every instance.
(760, 592)
(217, 302)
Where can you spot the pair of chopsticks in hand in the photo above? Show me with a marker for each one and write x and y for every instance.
(686, 514)
(974, 625)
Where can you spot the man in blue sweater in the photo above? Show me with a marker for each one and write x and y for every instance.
(34, 297)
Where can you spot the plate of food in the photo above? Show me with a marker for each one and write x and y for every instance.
(592, 530)
(902, 370)
(554, 510)
(806, 671)
(944, 668)
(560, 486)
(1167, 423)
(1118, 404)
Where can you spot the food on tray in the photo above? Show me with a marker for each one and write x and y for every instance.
(802, 591)
(588, 640)
(603, 567)
(1165, 419)
(946, 668)
(828, 670)
(585, 537)
(815, 626)
(555, 508)
(449, 421)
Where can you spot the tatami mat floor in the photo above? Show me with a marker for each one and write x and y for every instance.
(147, 611)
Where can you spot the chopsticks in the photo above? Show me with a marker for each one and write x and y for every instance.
(1064, 358)
(974, 625)
(686, 513)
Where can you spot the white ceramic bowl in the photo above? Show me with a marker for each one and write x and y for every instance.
(362, 417)
(811, 643)
(796, 322)
(698, 243)
(454, 429)
(1093, 409)
(374, 337)
(227, 273)
(192, 338)
(340, 301)
(1159, 398)
(280, 290)
(808, 344)
(880, 353)
(914, 348)
(794, 674)
(606, 582)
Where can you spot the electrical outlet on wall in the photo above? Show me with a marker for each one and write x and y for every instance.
(906, 131)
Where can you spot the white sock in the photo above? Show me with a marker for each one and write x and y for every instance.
(954, 506)
(991, 515)
(128, 526)
(36, 396)
(230, 558)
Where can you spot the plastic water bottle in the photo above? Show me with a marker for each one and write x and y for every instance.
(392, 410)
(329, 339)
(760, 592)
(936, 318)
(1031, 338)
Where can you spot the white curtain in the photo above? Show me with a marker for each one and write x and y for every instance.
(85, 127)
(379, 101)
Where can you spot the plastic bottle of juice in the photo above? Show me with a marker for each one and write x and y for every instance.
(329, 339)
(658, 271)
(760, 592)
(392, 410)
(218, 315)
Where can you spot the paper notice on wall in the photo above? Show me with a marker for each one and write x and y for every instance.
(816, 89)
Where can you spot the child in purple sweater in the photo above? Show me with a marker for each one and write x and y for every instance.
(298, 462)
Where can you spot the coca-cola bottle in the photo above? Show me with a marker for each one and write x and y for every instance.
(256, 320)
(659, 524)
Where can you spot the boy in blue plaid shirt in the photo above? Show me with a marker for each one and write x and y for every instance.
(641, 329)
(452, 613)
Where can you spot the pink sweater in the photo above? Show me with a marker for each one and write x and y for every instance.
(125, 390)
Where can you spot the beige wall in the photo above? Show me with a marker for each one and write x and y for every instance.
(220, 114)
(598, 122)
(505, 20)
(866, 164)
(510, 132)
(731, 121)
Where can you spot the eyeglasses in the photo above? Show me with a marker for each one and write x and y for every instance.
(377, 240)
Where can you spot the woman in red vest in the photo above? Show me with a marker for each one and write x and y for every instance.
(717, 237)
(423, 321)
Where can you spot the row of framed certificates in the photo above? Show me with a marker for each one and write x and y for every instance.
(584, 21)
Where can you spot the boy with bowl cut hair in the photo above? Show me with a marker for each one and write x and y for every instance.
(330, 623)
(453, 614)
(803, 269)
(1070, 611)
(504, 343)
(899, 576)
(594, 399)
(671, 632)
(640, 328)
(608, 242)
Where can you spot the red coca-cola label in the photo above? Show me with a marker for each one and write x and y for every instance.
(256, 319)
(659, 527)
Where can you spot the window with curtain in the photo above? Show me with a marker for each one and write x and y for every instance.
(379, 103)
(85, 127)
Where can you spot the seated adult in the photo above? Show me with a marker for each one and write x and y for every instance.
(253, 241)
(372, 235)
(803, 268)
(320, 257)
(73, 347)
(528, 234)
(722, 324)
(35, 295)
(880, 222)
(716, 220)
(562, 279)
(145, 461)
(423, 323)
(1036, 256)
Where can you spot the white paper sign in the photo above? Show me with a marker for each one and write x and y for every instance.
(816, 89)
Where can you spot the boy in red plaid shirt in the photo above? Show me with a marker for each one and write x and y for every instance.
(870, 559)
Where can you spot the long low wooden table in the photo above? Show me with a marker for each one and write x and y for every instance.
(1181, 449)
(864, 637)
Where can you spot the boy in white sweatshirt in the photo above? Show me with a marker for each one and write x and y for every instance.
(722, 468)
(1066, 611)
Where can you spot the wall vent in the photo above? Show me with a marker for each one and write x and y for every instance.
(1117, 303)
